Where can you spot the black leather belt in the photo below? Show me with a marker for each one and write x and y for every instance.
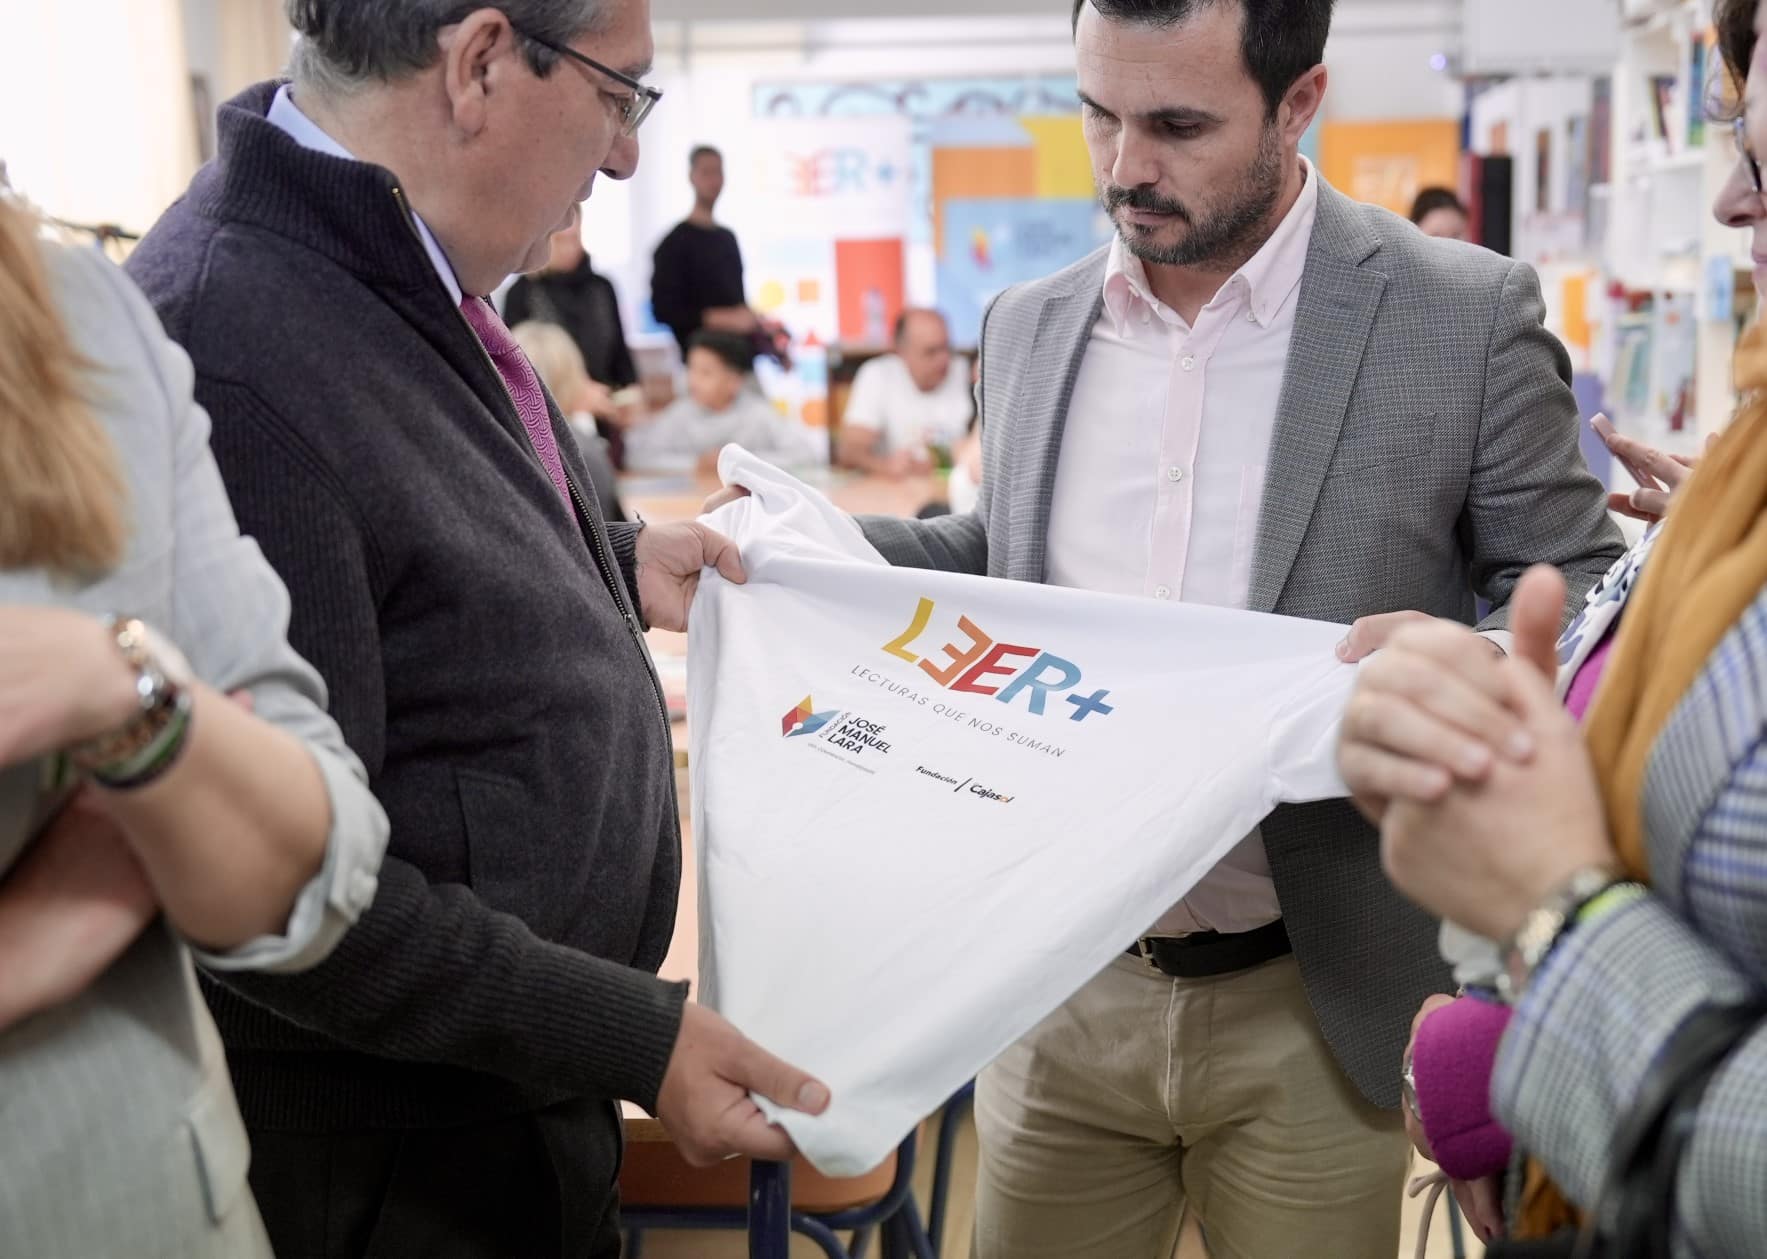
(1204, 954)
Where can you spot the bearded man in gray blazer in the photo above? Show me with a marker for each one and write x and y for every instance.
(1261, 395)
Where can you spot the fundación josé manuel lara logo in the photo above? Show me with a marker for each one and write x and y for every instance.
(804, 719)
(837, 728)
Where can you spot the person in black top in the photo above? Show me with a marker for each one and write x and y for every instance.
(570, 294)
(696, 281)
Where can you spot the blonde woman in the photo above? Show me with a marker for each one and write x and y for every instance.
(144, 814)
(559, 362)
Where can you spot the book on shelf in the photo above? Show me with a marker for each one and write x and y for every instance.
(1698, 59)
(1577, 164)
(1652, 384)
(1663, 114)
(1601, 123)
(1630, 387)
(1675, 341)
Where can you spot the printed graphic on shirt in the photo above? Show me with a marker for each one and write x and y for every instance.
(804, 719)
(980, 718)
(1006, 786)
(964, 785)
(859, 736)
(840, 733)
(1037, 675)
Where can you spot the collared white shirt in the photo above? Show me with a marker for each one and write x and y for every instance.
(886, 400)
(1161, 477)
(287, 116)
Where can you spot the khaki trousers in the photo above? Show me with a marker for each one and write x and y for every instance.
(1145, 1096)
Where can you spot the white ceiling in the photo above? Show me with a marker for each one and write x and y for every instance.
(812, 10)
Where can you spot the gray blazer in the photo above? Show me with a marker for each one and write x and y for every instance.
(119, 1134)
(1425, 451)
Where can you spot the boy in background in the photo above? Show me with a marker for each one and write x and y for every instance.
(722, 406)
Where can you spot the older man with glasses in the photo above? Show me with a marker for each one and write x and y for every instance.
(448, 1083)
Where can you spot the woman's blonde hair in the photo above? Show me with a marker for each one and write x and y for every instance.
(555, 357)
(62, 495)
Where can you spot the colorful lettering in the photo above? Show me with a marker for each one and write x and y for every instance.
(1032, 680)
(970, 668)
(1086, 705)
(898, 647)
(971, 681)
(961, 658)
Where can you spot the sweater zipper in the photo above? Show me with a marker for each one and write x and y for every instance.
(591, 535)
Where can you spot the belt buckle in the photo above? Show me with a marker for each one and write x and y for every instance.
(1144, 946)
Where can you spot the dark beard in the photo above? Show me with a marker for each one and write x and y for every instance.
(1226, 239)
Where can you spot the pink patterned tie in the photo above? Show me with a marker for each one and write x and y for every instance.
(524, 386)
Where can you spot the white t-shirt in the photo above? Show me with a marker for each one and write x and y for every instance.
(962, 491)
(929, 807)
(886, 400)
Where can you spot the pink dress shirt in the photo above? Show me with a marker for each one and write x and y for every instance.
(1161, 476)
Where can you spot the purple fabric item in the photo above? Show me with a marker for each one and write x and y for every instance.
(1451, 1062)
(524, 387)
(1582, 691)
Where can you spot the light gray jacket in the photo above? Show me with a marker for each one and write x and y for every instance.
(1425, 451)
(119, 1134)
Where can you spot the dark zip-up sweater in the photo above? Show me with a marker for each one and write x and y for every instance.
(481, 649)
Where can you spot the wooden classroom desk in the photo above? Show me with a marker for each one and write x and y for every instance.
(664, 498)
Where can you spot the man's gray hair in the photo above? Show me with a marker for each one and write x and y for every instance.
(346, 45)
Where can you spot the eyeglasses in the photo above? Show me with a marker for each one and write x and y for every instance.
(1748, 153)
(634, 109)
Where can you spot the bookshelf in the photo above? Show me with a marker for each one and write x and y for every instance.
(1671, 274)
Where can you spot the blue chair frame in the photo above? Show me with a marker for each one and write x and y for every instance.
(770, 1221)
(952, 1118)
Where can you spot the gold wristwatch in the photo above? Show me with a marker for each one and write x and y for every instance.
(1524, 952)
(145, 746)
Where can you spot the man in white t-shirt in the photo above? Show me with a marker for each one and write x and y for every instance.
(906, 402)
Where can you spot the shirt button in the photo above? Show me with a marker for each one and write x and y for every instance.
(1251, 316)
(1162, 592)
(1188, 363)
(1174, 474)
(362, 888)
